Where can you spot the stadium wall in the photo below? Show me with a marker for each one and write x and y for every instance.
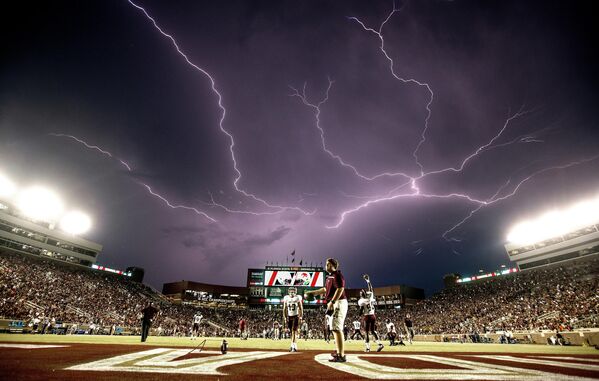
(589, 337)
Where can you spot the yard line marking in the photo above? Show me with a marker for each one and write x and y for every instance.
(31, 346)
(528, 360)
(581, 359)
(357, 365)
(163, 360)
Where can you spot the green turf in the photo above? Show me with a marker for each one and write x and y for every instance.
(214, 342)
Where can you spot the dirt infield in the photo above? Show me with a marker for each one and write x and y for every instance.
(133, 362)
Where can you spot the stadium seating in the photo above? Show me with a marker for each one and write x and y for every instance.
(72, 299)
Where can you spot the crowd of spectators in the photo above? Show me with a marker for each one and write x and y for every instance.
(47, 294)
(553, 298)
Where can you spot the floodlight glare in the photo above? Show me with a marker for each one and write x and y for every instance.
(7, 187)
(581, 215)
(522, 233)
(40, 204)
(75, 223)
(551, 224)
(556, 223)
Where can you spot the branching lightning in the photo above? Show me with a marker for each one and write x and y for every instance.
(379, 34)
(415, 190)
(494, 199)
(410, 186)
(316, 107)
(279, 208)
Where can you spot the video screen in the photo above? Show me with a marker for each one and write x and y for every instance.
(294, 278)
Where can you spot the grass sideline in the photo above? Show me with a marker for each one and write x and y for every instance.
(316, 345)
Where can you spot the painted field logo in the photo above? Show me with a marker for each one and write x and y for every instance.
(358, 365)
(164, 360)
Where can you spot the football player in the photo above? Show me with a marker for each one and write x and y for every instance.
(366, 303)
(357, 332)
(391, 332)
(276, 331)
(293, 311)
(409, 326)
(195, 331)
(242, 329)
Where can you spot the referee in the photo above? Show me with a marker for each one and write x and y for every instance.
(146, 322)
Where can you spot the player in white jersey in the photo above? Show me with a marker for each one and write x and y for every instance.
(195, 331)
(391, 332)
(357, 332)
(293, 310)
(367, 303)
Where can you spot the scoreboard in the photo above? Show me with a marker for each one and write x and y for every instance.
(270, 284)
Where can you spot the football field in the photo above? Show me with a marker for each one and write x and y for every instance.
(84, 357)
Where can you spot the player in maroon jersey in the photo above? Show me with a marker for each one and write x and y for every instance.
(242, 329)
(367, 303)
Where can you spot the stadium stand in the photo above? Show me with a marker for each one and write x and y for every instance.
(45, 296)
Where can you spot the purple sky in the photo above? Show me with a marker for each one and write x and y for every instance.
(102, 72)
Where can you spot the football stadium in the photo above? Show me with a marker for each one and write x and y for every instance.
(299, 190)
(62, 315)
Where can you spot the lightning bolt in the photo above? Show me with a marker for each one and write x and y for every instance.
(415, 191)
(379, 34)
(170, 205)
(495, 199)
(237, 211)
(129, 169)
(316, 109)
(223, 110)
(472, 213)
(103, 152)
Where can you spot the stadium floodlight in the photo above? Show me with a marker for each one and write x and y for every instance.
(7, 187)
(551, 224)
(40, 204)
(556, 223)
(75, 223)
(522, 233)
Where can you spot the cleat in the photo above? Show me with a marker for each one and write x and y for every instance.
(380, 348)
(338, 359)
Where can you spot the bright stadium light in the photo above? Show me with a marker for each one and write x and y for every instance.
(75, 223)
(551, 224)
(581, 214)
(7, 187)
(522, 233)
(556, 223)
(40, 204)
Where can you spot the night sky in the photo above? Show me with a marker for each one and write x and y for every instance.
(100, 71)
